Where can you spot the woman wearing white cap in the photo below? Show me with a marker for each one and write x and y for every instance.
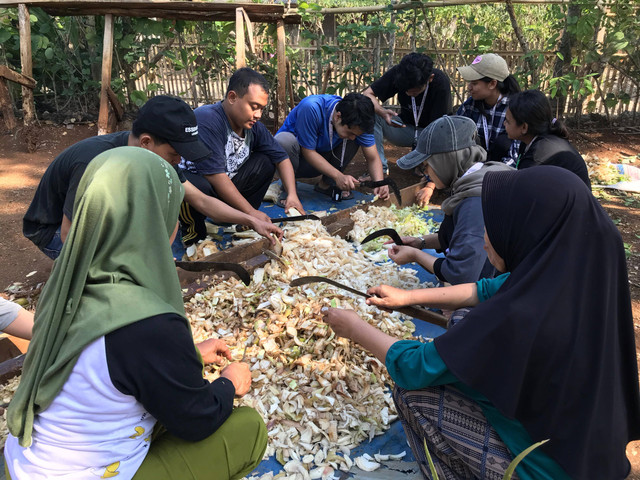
(489, 84)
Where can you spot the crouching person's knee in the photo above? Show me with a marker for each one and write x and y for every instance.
(231, 452)
(250, 439)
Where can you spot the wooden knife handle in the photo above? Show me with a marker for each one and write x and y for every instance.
(424, 314)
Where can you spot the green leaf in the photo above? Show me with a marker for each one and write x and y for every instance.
(560, 56)
(138, 97)
(36, 42)
(432, 467)
(611, 101)
(592, 56)
(48, 53)
(518, 459)
(575, 85)
(588, 85)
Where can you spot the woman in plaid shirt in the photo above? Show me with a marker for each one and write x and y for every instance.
(489, 84)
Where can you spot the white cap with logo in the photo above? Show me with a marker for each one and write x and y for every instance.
(485, 65)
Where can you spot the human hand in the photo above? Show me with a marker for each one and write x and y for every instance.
(406, 240)
(342, 322)
(387, 115)
(402, 254)
(424, 195)
(382, 192)
(261, 216)
(293, 202)
(388, 297)
(214, 350)
(346, 183)
(240, 376)
(267, 230)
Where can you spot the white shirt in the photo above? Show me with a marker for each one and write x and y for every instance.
(91, 430)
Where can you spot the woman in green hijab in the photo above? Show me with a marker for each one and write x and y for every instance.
(112, 352)
(454, 161)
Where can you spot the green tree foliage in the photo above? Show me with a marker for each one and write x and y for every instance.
(582, 38)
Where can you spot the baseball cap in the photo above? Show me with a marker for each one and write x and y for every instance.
(446, 134)
(171, 119)
(485, 65)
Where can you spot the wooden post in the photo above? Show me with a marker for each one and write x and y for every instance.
(26, 61)
(281, 57)
(240, 48)
(6, 106)
(107, 55)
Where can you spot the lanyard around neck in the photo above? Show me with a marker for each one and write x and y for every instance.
(418, 113)
(487, 134)
(344, 142)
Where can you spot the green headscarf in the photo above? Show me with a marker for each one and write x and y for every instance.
(115, 268)
(450, 168)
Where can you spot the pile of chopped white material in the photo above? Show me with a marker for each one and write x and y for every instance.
(7, 391)
(408, 221)
(319, 395)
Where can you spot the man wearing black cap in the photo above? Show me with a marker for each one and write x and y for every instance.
(166, 126)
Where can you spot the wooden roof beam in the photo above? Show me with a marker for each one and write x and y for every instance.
(209, 11)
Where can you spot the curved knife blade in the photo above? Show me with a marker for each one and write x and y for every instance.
(296, 282)
(388, 232)
(239, 270)
(412, 311)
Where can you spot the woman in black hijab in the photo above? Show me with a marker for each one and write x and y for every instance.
(550, 356)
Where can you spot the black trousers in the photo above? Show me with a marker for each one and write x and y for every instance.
(303, 169)
(252, 181)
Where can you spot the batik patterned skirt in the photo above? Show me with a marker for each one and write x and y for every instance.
(461, 442)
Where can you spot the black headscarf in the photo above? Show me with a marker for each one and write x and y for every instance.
(555, 347)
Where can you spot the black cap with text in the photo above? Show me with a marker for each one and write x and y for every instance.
(171, 119)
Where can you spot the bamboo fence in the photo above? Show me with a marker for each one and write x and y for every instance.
(311, 66)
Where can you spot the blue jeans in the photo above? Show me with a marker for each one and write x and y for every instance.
(52, 250)
(400, 137)
(177, 247)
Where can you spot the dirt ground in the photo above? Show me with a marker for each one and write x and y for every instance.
(24, 269)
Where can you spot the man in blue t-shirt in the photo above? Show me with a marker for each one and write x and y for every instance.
(244, 155)
(322, 134)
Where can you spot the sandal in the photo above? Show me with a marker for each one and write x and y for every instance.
(327, 191)
(282, 199)
(366, 177)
